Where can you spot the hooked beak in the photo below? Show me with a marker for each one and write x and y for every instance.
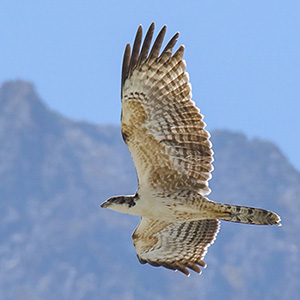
(104, 204)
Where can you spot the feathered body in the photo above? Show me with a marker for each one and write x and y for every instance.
(170, 147)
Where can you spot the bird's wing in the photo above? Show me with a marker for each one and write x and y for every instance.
(161, 126)
(176, 245)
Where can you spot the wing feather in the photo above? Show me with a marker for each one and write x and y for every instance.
(157, 44)
(160, 123)
(167, 52)
(135, 50)
(146, 45)
(125, 66)
(176, 246)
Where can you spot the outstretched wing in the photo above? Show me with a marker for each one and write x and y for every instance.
(176, 246)
(161, 126)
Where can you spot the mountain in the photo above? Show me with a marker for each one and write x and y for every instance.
(57, 243)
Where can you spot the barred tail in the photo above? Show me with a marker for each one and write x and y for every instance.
(248, 215)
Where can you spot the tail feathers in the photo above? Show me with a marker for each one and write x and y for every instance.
(248, 215)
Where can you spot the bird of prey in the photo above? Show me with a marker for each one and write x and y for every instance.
(170, 148)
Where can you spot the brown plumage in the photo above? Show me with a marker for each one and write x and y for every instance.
(170, 147)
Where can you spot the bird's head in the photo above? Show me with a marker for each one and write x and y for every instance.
(120, 203)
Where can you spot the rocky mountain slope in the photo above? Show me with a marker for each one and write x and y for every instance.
(57, 243)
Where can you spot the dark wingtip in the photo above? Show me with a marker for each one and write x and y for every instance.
(133, 59)
(146, 44)
(157, 43)
(169, 48)
(126, 61)
(135, 49)
(176, 266)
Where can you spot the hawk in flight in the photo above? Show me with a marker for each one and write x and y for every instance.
(170, 148)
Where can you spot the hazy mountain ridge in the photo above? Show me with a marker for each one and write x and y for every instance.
(57, 242)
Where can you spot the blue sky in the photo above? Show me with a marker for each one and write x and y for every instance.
(243, 58)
